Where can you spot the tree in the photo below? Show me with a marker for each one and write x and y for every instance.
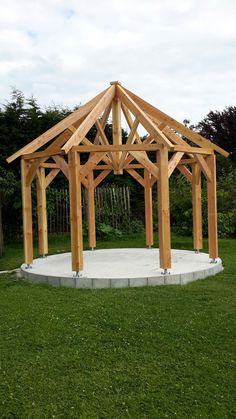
(220, 128)
(7, 189)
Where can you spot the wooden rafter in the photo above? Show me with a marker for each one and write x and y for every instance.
(101, 177)
(57, 129)
(116, 130)
(60, 161)
(185, 171)
(147, 164)
(90, 164)
(203, 164)
(51, 175)
(173, 162)
(104, 139)
(136, 176)
(130, 140)
(89, 121)
(172, 123)
(143, 118)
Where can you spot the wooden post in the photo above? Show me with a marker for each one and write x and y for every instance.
(27, 213)
(197, 206)
(42, 212)
(212, 208)
(148, 208)
(75, 212)
(116, 127)
(163, 210)
(91, 211)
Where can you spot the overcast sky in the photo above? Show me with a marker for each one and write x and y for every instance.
(180, 55)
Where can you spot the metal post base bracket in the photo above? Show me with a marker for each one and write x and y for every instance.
(28, 266)
(213, 260)
(78, 274)
(165, 272)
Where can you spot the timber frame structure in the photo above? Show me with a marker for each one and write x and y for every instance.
(175, 147)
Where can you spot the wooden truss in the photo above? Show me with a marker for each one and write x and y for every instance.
(65, 147)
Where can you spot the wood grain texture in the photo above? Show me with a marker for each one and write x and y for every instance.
(42, 212)
(75, 212)
(163, 210)
(212, 209)
(27, 214)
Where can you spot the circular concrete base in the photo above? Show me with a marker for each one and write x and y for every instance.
(120, 268)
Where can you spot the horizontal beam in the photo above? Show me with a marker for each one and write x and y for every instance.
(193, 150)
(50, 165)
(45, 153)
(116, 147)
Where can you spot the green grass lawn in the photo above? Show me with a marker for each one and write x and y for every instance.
(161, 352)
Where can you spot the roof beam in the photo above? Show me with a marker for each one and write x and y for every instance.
(146, 163)
(143, 118)
(173, 162)
(136, 176)
(171, 122)
(90, 120)
(58, 128)
(111, 147)
(193, 150)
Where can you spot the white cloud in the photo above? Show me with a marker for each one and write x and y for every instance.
(178, 54)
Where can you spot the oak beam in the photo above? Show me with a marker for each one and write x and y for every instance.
(205, 169)
(148, 208)
(136, 176)
(90, 120)
(101, 177)
(42, 212)
(121, 147)
(58, 128)
(75, 212)
(146, 163)
(185, 171)
(60, 161)
(130, 140)
(164, 210)
(212, 209)
(174, 162)
(27, 214)
(116, 131)
(197, 207)
(90, 164)
(143, 118)
(91, 211)
(175, 125)
(193, 150)
(51, 175)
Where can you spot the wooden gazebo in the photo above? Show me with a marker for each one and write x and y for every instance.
(63, 144)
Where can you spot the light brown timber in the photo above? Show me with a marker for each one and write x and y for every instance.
(148, 208)
(197, 206)
(136, 176)
(89, 121)
(42, 212)
(212, 209)
(58, 128)
(75, 212)
(163, 210)
(172, 123)
(27, 214)
(91, 211)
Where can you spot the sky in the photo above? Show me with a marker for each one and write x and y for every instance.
(179, 55)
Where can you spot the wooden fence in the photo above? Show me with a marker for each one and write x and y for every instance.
(112, 206)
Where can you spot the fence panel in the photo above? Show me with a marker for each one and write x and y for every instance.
(112, 207)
